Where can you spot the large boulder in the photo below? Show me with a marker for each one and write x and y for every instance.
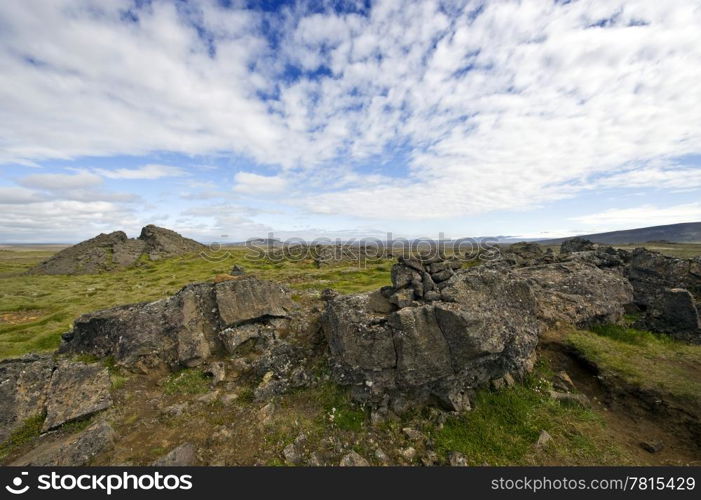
(577, 293)
(576, 245)
(182, 330)
(651, 272)
(674, 312)
(62, 390)
(482, 325)
(667, 291)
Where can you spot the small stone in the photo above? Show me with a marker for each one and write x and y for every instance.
(175, 410)
(292, 455)
(413, 434)
(509, 380)
(183, 455)
(265, 414)
(652, 446)
(229, 399)
(430, 459)
(408, 453)
(381, 456)
(217, 371)
(353, 459)
(565, 397)
(543, 439)
(457, 459)
(237, 270)
(208, 398)
(563, 382)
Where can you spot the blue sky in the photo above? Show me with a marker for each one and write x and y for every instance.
(230, 120)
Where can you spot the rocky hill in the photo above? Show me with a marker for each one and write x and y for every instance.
(106, 252)
(689, 232)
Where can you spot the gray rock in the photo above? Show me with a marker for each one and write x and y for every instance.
(543, 439)
(181, 456)
(292, 455)
(217, 371)
(181, 330)
(563, 382)
(576, 245)
(673, 311)
(77, 390)
(75, 450)
(353, 459)
(24, 388)
(566, 397)
(577, 293)
(457, 459)
(652, 446)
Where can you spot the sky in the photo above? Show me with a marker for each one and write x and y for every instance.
(231, 120)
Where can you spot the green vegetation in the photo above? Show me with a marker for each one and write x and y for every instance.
(30, 430)
(36, 309)
(643, 359)
(504, 426)
(189, 381)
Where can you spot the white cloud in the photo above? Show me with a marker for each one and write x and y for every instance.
(642, 216)
(525, 103)
(17, 195)
(55, 182)
(150, 172)
(254, 184)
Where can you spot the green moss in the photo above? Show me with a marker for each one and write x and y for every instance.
(189, 381)
(643, 359)
(30, 430)
(504, 426)
(339, 410)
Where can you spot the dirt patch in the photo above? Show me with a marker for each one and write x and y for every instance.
(632, 415)
(20, 317)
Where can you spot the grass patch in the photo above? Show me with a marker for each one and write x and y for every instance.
(339, 410)
(643, 359)
(504, 426)
(189, 381)
(30, 430)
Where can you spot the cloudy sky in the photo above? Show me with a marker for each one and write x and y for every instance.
(229, 120)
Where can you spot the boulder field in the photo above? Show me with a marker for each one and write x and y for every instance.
(440, 331)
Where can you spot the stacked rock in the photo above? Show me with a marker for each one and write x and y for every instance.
(420, 278)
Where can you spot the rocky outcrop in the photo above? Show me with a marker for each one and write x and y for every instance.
(577, 293)
(111, 251)
(76, 391)
(477, 325)
(576, 245)
(24, 389)
(72, 451)
(182, 330)
(668, 293)
(61, 390)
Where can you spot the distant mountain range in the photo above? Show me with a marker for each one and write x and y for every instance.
(688, 232)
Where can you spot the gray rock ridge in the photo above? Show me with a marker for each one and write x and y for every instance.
(659, 282)
(106, 252)
(483, 324)
(182, 330)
